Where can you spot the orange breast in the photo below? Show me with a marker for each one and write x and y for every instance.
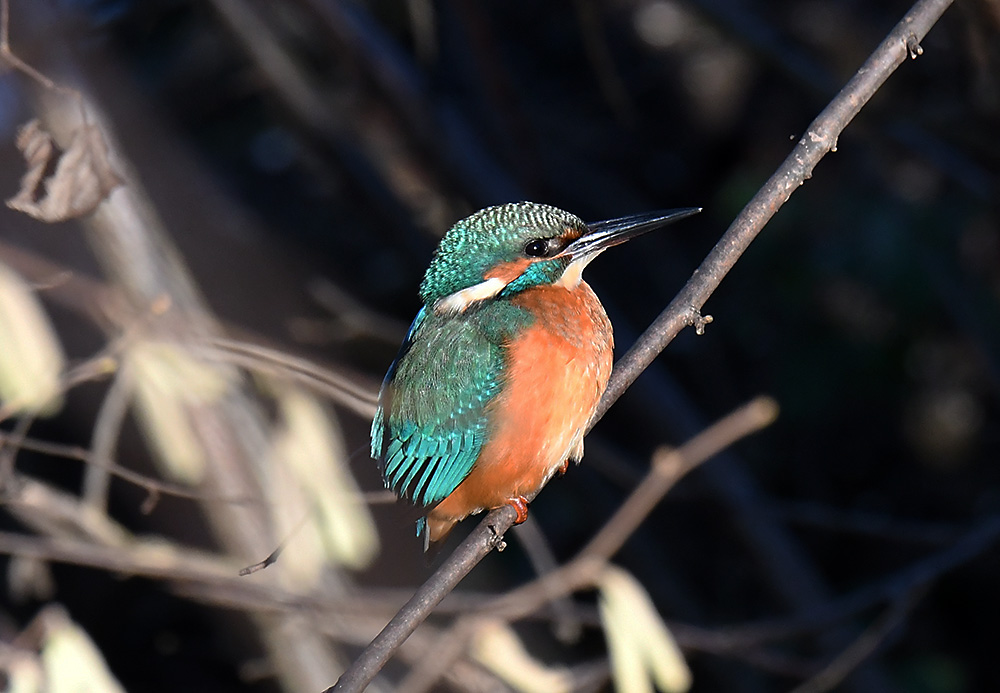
(556, 373)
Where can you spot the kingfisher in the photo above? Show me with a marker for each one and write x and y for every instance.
(504, 364)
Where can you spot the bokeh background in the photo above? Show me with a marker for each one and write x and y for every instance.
(306, 155)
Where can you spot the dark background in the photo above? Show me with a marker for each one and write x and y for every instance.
(337, 141)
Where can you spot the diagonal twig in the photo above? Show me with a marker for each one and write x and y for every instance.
(820, 137)
(685, 310)
(667, 469)
(863, 647)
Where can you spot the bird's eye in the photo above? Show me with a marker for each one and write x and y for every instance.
(536, 248)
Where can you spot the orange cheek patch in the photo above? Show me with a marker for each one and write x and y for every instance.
(508, 271)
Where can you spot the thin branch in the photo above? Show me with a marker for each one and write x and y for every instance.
(668, 468)
(153, 486)
(917, 576)
(10, 445)
(352, 317)
(154, 558)
(19, 64)
(565, 622)
(107, 428)
(94, 299)
(483, 539)
(865, 523)
(578, 572)
(592, 31)
(863, 647)
(262, 359)
(821, 137)
(448, 648)
(34, 73)
(81, 294)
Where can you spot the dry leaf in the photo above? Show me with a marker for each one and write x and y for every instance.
(61, 185)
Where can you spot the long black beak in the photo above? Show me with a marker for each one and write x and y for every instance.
(604, 234)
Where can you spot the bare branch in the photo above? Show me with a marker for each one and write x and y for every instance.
(155, 487)
(668, 468)
(576, 573)
(14, 61)
(10, 445)
(566, 621)
(862, 648)
(261, 359)
(475, 548)
(107, 428)
(893, 588)
(821, 137)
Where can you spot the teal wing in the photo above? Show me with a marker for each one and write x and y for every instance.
(431, 422)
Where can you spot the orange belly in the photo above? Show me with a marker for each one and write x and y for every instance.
(555, 375)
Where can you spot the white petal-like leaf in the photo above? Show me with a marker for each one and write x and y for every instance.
(31, 358)
(497, 647)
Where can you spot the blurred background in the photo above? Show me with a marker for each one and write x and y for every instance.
(302, 158)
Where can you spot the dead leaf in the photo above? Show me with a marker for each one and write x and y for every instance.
(61, 185)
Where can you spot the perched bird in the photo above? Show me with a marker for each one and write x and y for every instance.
(504, 364)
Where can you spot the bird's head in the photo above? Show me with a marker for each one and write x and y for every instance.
(502, 250)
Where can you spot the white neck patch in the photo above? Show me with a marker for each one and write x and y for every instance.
(460, 300)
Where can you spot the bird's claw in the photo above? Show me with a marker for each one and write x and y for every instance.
(520, 505)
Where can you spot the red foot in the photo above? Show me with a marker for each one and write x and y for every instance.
(564, 468)
(520, 504)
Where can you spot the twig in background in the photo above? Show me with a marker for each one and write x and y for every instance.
(483, 539)
(95, 368)
(349, 318)
(261, 359)
(592, 31)
(14, 61)
(667, 469)
(566, 622)
(575, 574)
(107, 427)
(912, 579)
(10, 445)
(862, 648)
(154, 487)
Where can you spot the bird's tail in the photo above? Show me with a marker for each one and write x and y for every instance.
(433, 529)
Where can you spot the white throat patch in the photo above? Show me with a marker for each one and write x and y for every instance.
(573, 274)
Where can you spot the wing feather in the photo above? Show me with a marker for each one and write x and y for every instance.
(432, 418)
